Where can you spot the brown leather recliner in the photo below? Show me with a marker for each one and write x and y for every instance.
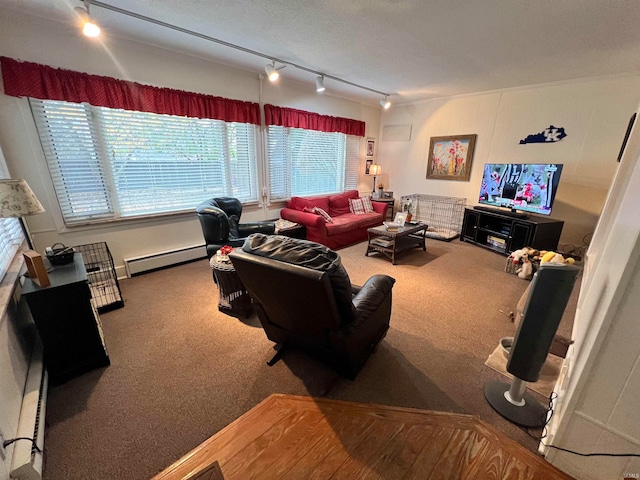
(304, 299)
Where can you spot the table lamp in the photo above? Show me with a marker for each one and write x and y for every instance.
(17, 200)
(375, 170)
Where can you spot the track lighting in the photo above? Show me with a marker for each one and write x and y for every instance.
(271, 72)
(89, 27)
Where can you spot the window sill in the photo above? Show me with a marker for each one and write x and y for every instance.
(10, 281)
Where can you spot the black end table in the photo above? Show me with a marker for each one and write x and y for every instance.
(67, 322)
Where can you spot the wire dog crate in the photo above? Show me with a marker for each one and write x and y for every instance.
(101, 274)
(444, 215)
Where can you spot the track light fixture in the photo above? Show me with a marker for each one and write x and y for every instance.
(385, 102)
(89, 27)
(271, 71)
(320, 84)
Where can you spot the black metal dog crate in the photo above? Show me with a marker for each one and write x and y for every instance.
(101, 273)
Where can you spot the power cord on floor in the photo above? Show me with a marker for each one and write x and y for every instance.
(6, 443)
(552, 397)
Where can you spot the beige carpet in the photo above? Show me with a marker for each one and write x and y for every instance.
(548, 375)
(181, 370)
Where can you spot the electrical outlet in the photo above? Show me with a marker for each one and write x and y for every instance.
(3, 455)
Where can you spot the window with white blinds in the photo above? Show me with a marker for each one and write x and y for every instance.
(110, 163)
(308, 162)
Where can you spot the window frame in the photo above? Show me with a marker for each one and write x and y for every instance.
(250, 132)
(280, 144)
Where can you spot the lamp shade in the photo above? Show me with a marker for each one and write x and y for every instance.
(17, 199)
(375, 169)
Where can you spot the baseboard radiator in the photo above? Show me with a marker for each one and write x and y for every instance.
(27, 460)
(147, 263)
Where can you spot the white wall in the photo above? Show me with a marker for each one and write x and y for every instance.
(39, 40)
(594, 113)
(597, 406)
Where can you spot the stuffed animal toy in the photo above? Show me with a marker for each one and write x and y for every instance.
(517, 255)
(554, 257)
(526, 271)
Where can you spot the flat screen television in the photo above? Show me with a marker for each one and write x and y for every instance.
(521, 187)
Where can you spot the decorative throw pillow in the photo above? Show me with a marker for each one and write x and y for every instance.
(360, 206)
(323, 214)
(320, 212)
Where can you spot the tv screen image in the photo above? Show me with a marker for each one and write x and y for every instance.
(528, 187)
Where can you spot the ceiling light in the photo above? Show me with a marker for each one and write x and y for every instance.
(89, 27)
(320, 84)
(271, 72)
(385, 103)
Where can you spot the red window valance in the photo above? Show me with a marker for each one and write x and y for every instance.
(289, 117)
(26, 79)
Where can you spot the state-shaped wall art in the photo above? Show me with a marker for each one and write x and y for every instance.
(548, 135)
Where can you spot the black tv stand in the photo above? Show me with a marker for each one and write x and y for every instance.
(501, 232)
(509, 213)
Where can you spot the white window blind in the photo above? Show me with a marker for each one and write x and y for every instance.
(11, 238)
(112, 163)
(308, 162)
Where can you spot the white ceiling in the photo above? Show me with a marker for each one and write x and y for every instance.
(411, 49)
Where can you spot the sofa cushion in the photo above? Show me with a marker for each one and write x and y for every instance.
(368, 220)
(299, 203)
(339, 204)
(310, 255)
(360, 206)
(342, 224)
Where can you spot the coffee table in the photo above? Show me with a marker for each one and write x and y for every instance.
(390, 243)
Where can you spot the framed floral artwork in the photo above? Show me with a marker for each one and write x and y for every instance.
(450, 157)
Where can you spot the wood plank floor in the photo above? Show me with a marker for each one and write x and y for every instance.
(291, 437)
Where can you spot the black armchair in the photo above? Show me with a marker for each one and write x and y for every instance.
(304, 298)
(220, 222)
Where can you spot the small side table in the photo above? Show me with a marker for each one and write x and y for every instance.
(290, 229)
(389, 201)
(234, 298)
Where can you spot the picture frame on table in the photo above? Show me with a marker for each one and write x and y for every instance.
(387, 194)
(36, 269)
(450, 157)
(401, 218)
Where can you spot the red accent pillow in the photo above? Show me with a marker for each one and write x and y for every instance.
(339, 204)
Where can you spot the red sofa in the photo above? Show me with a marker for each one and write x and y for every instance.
(346, 228)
